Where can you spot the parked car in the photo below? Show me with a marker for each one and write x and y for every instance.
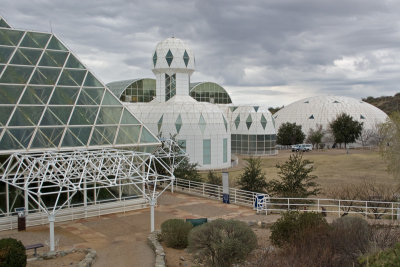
(302, 147)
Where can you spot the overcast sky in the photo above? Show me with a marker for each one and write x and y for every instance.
(268, 52)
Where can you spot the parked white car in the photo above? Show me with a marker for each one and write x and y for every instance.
(302, 147)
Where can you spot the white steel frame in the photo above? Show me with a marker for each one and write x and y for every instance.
(66, 173)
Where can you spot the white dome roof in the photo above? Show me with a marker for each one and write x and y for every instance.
(248, 119)
(322, 110)
(173, 53)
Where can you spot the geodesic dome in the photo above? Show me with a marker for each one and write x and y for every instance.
(321, 110)
(252, 129)
(201, 128)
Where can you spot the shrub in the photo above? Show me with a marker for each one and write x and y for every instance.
(175, 233)
(389, 257)
(222, 242)
(12, 253)
(292, 225)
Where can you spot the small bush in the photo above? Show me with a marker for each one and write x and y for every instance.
(175, 233)
(292, 225)
(12, 253)
(389, 257)
(222, 242)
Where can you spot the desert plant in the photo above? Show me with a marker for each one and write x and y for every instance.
(253, 178)
(175, 233)
(222, 242)
(296, 178)
(212, 178)
(292, 226)
(187, 170)
(388, 257)
(12, 253)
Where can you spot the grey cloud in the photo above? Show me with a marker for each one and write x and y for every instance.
(295, 43)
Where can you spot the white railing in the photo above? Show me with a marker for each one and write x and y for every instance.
(76, 211)
(375, 209)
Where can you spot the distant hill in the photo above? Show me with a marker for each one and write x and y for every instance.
(388, 104)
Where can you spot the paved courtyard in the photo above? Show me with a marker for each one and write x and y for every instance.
(121, 239)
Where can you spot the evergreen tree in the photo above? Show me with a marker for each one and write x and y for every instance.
(253, 179)
(295, 178)
(188, 171)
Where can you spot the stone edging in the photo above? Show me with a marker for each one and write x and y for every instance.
(153, 242)
(86, 262)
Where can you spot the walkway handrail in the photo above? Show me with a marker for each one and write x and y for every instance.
(375, 208)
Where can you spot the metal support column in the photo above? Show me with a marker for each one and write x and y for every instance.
(51, 226)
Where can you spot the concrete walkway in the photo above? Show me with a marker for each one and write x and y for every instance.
(121, 239)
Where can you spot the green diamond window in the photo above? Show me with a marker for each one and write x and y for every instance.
(256, 108)
(249, 121)
(311, 117)
(169, 57)
(263, 121)
(178, 123)
(225, 123)
(159, 123)
(237, 121)
(202, 123)
(186, 58)
(155, 59)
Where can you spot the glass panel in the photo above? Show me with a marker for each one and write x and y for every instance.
(10, 37)
(26, 116)
(1, 68)
(8, 142)
(5, 53)
(5, 113)
(225, 150)
(206, 151)
(103, 135)
(56, 44)
(35, 39)
(72, 77)
(110, 99)
(9, 94)
(76, 136)
(56, 115)
(36, 95)
(25, 56)
(182, 144)
(18, 75)
(45, 76)
(64, 96)
(90, 96)
(73, 62)
(147, 137)
(4, 24)
(128, 118)
(92, 81)
(47, 137)
(84, 116)
(108, 115)
(128, 135)
(22, 135)
(169, 57)
(53, 58)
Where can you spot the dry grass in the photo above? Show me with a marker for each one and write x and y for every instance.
(333, 167)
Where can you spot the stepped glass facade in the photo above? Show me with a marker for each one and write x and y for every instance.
(50, 101)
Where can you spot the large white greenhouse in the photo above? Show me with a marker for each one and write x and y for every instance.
(321, 110)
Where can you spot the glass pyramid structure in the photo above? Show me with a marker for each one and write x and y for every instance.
(50, 101)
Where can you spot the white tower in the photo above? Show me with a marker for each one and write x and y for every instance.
(173, 63)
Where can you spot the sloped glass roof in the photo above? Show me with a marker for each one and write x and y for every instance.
(50, 101)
